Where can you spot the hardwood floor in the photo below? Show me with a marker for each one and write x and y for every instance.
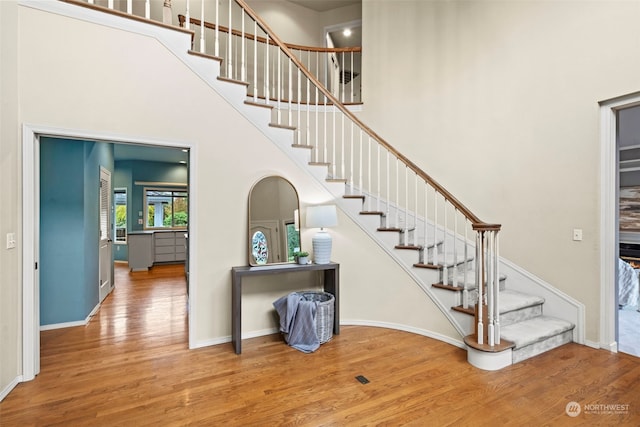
(131, 366)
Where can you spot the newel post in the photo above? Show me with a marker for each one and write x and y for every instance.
(487, 315)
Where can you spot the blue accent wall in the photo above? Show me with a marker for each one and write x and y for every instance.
(69, 224)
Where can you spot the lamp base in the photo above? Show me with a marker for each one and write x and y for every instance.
(321, 247)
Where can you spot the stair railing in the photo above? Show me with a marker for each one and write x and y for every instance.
(430, 219)
(338, 69)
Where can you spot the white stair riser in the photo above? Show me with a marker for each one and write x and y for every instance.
(520, 315)
(532, 350)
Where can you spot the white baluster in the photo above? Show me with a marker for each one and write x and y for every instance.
(352, 78)
(406, 201)
(435, 227)
(465, 292)
(334, 165)
(243, 71)
(415, 205)
(342, 98)
(479, 284)
(279, 86)
(397, 215)
(255, 61)
(425, 259)
(299, 96)
(497, 284)
(188, 16)
(388, 176)
(290, 93)
(490, 289)
(267, 67)
(360, 172)
(229, 45)
(147, 9)
(202, 27)
(324, 135)
(110, 4)
(369, 183)
(130, 7)
(445, 269)
(308, 98)
(454, 275)
(351, 181)
(342, 147)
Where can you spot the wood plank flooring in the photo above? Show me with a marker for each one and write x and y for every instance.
(131, 367)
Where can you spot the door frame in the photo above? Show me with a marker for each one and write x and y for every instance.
(31, 233)
(609, 233)
(102, 294)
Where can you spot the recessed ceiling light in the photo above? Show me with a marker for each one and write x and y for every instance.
(346, 32)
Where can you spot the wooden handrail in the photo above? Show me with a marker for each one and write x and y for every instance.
(476, 222)
(182, 19)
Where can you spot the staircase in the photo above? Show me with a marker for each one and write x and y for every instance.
(449, 252)
(524, 329)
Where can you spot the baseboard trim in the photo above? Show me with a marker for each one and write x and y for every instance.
(4, 392)
(84, 322)
(405, 328)
(351, 322)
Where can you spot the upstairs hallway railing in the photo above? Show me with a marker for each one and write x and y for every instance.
(430, 219)
(338, 69)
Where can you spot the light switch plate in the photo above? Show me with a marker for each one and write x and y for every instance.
(11, 240)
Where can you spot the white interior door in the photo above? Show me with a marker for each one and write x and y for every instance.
(106, 241)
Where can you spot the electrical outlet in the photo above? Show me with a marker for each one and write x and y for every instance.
(577, 234)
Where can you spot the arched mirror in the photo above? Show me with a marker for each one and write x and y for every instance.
(274, 235)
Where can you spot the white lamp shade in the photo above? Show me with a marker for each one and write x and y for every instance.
(322, 216)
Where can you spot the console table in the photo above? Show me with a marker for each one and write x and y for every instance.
(331, 282)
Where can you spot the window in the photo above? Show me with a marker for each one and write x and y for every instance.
(166, 208)
(120, 223)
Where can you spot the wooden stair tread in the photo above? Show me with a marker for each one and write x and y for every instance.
(205, 55)
(461, 309)
(472, 341)
(410, 247)
(238, 82)
(353, 196)
(343, 180)
(448, 287)
(302, 146)
(371, 213)
(392, 229)
(258, 104)
(430, 266)
(279, 126)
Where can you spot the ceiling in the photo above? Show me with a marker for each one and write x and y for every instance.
(151, 154)
(340, 40)
(324, 5)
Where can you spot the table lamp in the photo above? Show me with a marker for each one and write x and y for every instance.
(321, 217)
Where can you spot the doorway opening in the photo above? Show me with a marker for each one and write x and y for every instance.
(612, 177)
(75, 218)
(628, 282)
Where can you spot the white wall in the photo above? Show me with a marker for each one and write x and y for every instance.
(10, 217)
(498, 101)
(95, 79)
